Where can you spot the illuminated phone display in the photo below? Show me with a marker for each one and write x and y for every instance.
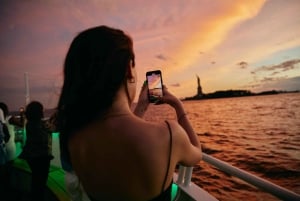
(154, 80)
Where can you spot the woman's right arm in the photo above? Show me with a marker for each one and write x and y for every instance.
(190, 147)
(186, 141)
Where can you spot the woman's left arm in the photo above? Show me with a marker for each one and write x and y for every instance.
(143, 102)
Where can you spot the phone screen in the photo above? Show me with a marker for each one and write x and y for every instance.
(154, 80)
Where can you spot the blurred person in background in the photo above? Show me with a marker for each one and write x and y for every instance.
(10, 145)
(37, 150)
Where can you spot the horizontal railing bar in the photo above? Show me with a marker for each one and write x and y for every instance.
(278, 191)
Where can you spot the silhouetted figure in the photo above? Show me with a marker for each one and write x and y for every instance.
(37, 149)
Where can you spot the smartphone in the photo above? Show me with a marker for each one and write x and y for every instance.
(155, 84)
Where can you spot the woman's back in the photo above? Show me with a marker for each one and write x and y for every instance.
(130, 157)
(116, 154)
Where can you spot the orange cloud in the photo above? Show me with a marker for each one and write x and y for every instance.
(212, 31)
(189, 40)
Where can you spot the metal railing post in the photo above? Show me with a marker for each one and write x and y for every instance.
(184, 175)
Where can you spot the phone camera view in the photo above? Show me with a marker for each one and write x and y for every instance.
(155, 86)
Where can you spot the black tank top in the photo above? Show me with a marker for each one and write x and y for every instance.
(166, 195)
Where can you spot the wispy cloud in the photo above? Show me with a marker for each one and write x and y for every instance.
(284, 66)
(242, 64)
(161, 57)
(273, 75)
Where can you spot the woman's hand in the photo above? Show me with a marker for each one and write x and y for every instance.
(143, 101)
(169, 98)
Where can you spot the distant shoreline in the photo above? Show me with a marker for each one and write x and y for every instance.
(215, 95)
(234, 93)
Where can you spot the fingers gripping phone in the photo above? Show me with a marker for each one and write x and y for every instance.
(155, 84)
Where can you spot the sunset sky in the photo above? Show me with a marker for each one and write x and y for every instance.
(229, 44)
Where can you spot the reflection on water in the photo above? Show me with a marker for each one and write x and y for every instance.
(260, 134)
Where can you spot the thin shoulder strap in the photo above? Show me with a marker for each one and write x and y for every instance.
(170, 152)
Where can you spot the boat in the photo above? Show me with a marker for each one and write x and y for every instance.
(183, 188)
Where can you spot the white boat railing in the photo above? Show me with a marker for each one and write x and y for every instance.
(267, 186)
(192, 192)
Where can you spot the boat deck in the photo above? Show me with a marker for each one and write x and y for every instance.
(19, 183)
(20, 178)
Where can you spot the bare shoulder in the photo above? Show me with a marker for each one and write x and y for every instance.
(185, 153)
(178, 134)
(153, 134)
(157, 130)
(176, 129)
(162, 132)
(151, 128)
(163, 129)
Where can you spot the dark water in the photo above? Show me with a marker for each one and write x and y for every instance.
(259, 134)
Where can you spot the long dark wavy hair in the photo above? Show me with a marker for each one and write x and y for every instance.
(94, 69)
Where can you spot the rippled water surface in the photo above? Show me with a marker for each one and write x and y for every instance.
(259, 134)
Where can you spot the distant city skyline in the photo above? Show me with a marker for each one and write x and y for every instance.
(248, 45)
